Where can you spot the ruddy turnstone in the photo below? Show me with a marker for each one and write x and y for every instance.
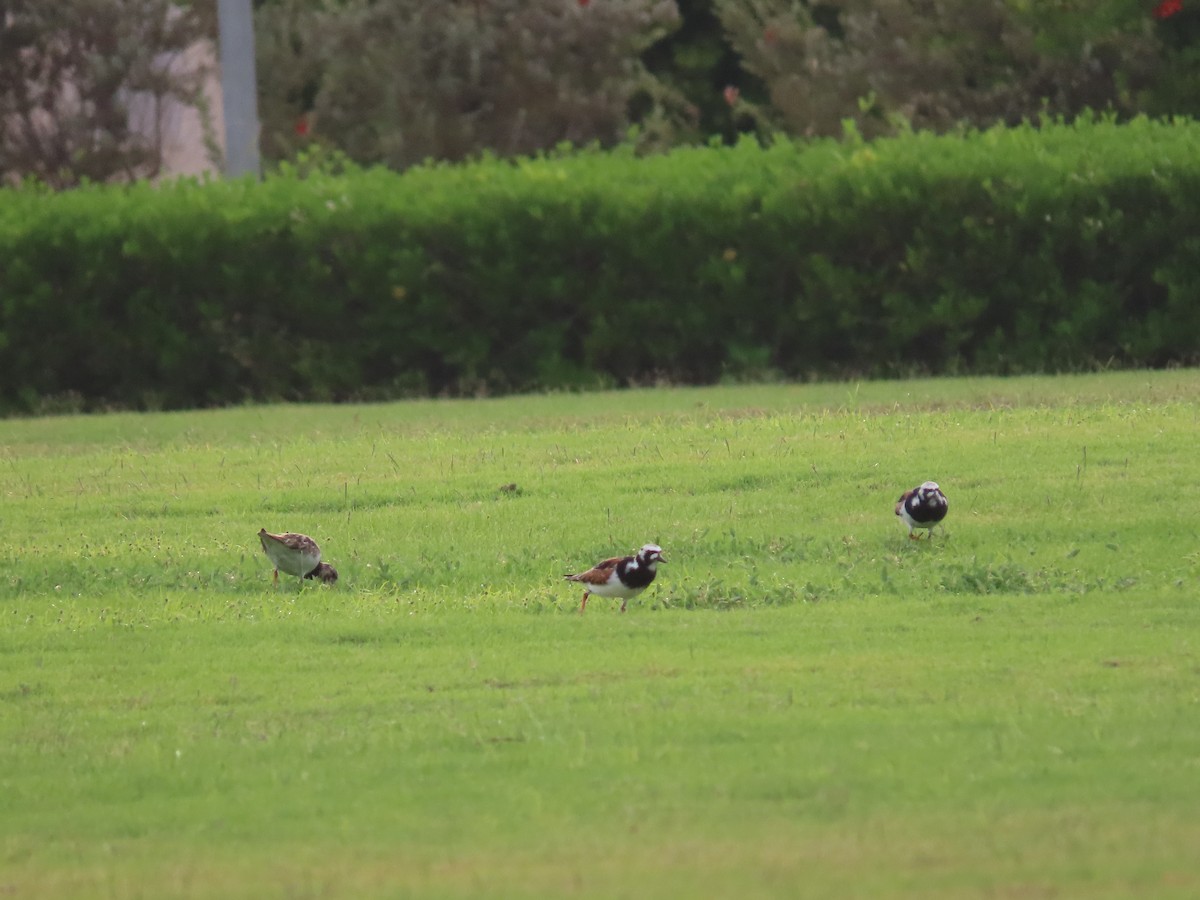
(621, 576)
(922, 507)
(296, 554)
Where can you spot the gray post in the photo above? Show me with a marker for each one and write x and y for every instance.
(239, 87)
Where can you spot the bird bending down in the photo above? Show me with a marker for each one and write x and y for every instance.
(296, 554)
(922, 507)
(621, 576)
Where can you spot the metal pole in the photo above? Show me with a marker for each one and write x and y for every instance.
(239, 87)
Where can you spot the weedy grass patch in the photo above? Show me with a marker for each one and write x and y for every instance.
(804, 704)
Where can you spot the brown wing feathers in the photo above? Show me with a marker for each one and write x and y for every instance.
(301, 542)
(597, 574)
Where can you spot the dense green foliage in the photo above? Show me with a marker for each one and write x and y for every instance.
(942, 64)
(1008, 250)
(804, 704)
(95, 89)
(396, 82)
(90, 90)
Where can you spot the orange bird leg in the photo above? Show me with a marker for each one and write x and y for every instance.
(623, 602)
(583, 605)
(276, 577)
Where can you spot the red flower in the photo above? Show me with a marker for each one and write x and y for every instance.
(771, 36)
(731, 94)
(1167, 8)
(302, 127)
(583, 3)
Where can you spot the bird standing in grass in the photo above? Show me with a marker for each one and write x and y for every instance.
(296, 554)
(621, 576)
(922, 507)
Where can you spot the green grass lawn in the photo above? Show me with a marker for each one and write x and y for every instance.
(804, 704)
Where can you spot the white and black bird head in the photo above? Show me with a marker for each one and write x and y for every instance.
(922, 507)
(324, 573)
(650, 556)
(621, 576)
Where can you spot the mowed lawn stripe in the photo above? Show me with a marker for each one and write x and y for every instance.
(805, 703)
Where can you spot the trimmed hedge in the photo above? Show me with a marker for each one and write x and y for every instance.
(1009, 250)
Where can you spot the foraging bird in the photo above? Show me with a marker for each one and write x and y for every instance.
(621, 576)
(296, 554)
(922, 507)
